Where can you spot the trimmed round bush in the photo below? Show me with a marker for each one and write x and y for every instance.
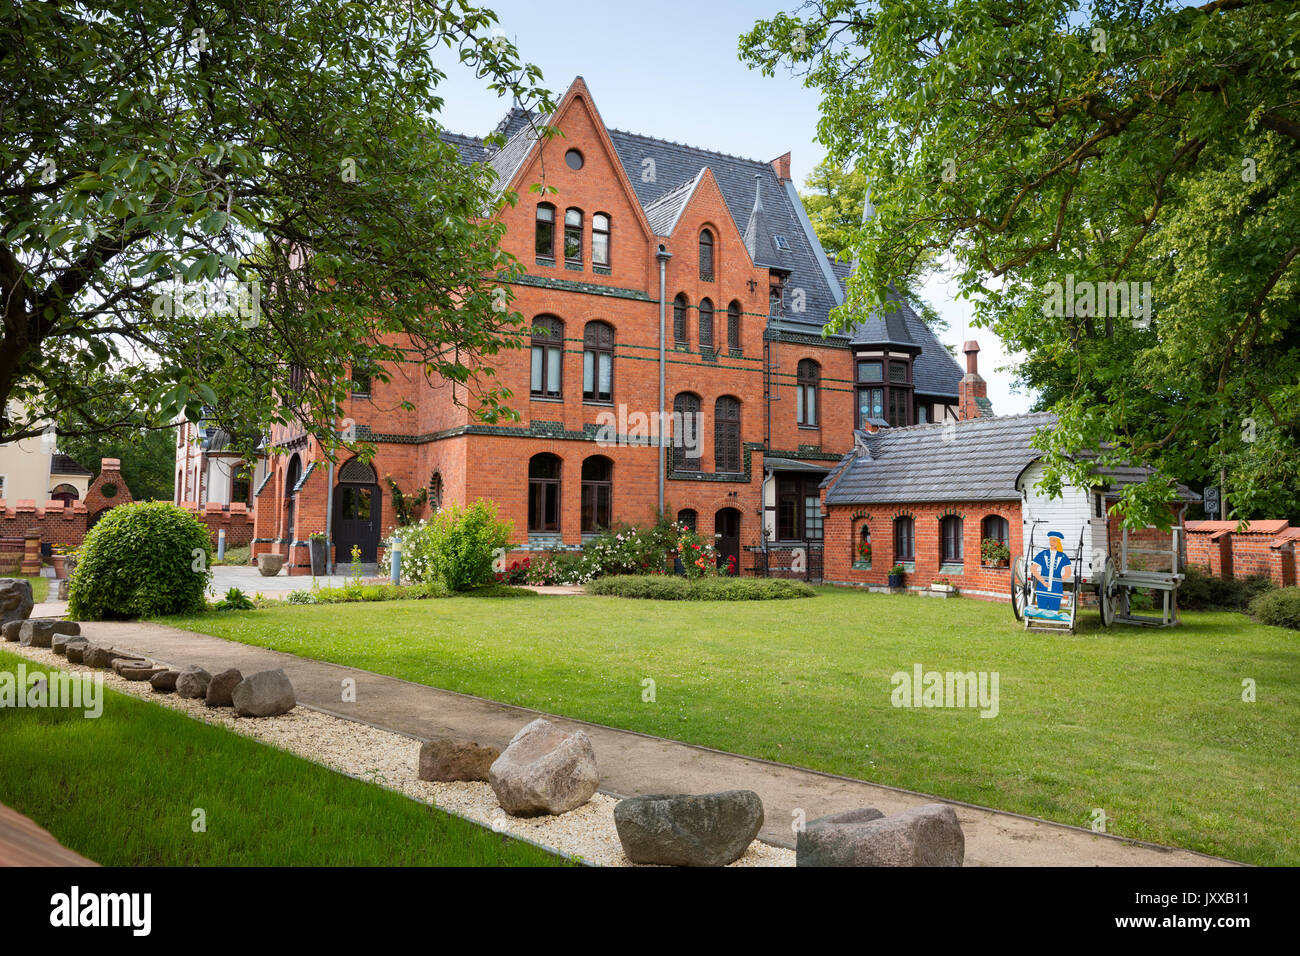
(141, 560)
(663, 587)
(1280, 608)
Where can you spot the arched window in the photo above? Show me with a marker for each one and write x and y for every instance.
(904, 539)
(597, 491)
(573, 236)
(688, 518)
(548, 350)
(733, 326)
(726, 434)
(950, 535)
(598, 362)
(435, 493)
(996, 529)
(706, 255)
(706, 324)
(544, 493)
(545, 244)
(686, 432)
(600, 240)
(862, 545)
(806, 392)
(680, 308)
(291, 475)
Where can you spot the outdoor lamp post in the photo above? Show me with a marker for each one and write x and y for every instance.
(395, 552)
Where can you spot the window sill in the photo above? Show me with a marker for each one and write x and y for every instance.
(601, 270)
(952, 569)
(735, 353)
(598, 402)
(810, 428)
(861, 565)
(549, 263)
(549, 399)
(573, 266)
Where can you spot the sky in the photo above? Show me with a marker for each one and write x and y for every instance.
(671, 69)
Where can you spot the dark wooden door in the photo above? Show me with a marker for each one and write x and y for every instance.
(356, 523)
(726, 523)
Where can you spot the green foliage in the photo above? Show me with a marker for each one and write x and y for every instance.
(236, 557)
(992, 551)
(142, 560)
(1057, 143)
(235, 600)
(456, 547)
(834, 202)
(1200, 591)
(404, 507)
(673, 588)
(369, 592)
(148, 457)
(554, 567)
(1279, 607)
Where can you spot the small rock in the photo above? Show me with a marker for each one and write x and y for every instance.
(192, 683)
(544, 770)
(164, 681)
(38, 633)
(95, 656)
(11, 629)
(264, 694)
(221, 687)
(136, 670)
(15, 599)
(59, 645)
(76, 649)
(447, 759)
(712, 829)
(928, 835)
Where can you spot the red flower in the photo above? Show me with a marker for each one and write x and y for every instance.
(527, 561)
(500, 576)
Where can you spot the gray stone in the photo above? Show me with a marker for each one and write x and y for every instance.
(269, 564)
(95, 656)
(15, 599)
(65, 589)
(928, 835)
(76, 649)
(447, 759)
(40, 631)
(136, 670)
(11, 629)
(164, 681)
(193, 683)
(711, 829)
(222, 687)
(264, 694)
(59, 645)
(544, 770)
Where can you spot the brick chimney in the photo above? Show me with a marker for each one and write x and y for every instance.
(782, 166)
(972, 385)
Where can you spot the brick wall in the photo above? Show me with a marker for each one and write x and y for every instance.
(235, 520)
(1265, 548)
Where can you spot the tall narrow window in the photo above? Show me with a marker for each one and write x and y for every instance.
(598, 362)
(806, 392)
(360, 380)
(680, 308)
(600, 240)
(573, 236)
(548, 349)
(597, 491)
(733, 326)
(994, 528)
(726, 434)
(904, 539)
(688, 518)
(544, 493)
(950, 533)
(545, 246)
(706, 255)
(706, 324)
(686, 432)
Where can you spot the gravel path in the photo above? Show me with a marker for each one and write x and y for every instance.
(391, 760)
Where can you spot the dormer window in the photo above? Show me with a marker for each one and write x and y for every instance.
(885, 391)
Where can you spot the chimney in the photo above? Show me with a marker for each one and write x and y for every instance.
(782, 166)
(972, 386)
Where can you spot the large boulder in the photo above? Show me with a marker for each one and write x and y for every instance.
(164, 681)
(95, 656)
(264, 694)
(10, 630)
(447, 759)
(61, 640)
(15, 599)
(711, 829)
(544, 770)
(76, 649)
(928, 835)
(40, 631)
(222, 687)
(192, 683)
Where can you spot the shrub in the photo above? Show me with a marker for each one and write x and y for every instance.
(456, 547)
(1279, 607)
(350, 593)
(235, 600)
(1200, 591)
(143, 559)
(558, 567)
(672, 588)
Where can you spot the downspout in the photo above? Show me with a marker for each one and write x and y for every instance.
(663, 255)
(329, 519)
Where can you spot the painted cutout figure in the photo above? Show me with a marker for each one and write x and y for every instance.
(1051, 571)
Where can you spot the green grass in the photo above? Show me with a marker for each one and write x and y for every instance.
(40, 588)
(121, 790)
(234, 556)
(1148, 725)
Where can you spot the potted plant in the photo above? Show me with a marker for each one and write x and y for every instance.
(995, 553)
(319, 554)
(943, 585)
(896, 576)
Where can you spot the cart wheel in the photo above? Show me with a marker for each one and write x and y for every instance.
(1019, 587)
(1074, 600)
(1108, 592)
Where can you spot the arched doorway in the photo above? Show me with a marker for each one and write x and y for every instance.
(65, 493)
(357, 513)
(292, 474)
(726, 524)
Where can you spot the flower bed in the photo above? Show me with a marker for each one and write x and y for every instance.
(671, 588)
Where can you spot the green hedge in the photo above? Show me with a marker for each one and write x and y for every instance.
(144, 559)
(1280, 608)
(663, 587)
(1200, 591)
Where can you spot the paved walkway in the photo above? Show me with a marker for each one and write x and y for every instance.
(632, 763)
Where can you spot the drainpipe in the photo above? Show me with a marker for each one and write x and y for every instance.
(663, 255)
(329, 522)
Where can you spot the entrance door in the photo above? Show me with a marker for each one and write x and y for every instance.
(727, 525)
(357, 523)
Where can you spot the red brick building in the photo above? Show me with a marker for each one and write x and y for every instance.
(760, 404)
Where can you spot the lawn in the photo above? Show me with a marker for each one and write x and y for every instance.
(121, 790)
(1147, 725)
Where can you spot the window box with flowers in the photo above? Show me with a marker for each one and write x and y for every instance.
(862, 556)
(994, 554)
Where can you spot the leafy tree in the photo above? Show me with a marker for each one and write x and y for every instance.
(834, 202)
(148, 459)
(1044, 147)
(287, 149)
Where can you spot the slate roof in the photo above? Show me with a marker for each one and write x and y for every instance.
(62, 464)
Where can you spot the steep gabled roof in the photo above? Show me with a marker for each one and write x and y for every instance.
(663, 213)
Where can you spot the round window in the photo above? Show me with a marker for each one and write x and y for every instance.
(108, 490)
(574, 159)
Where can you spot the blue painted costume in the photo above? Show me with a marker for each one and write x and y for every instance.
(1050, 564)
